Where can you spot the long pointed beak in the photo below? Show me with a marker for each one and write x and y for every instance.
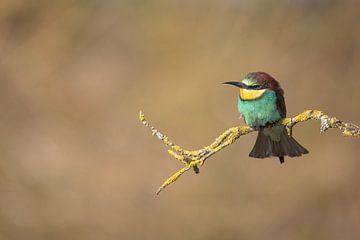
(237, 84)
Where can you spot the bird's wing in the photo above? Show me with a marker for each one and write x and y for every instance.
(281, 107)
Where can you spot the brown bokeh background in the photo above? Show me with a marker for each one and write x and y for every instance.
(77, 164)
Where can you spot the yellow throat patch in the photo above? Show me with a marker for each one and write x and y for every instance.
(249, 94)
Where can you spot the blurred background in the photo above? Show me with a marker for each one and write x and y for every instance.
(76, 163)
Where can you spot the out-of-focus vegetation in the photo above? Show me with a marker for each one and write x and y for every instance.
(76, 163)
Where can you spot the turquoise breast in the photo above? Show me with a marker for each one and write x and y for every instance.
(260, 111)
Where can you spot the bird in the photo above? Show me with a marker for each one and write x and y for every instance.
(261, 103)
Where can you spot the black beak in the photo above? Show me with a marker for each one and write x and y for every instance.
(237, 84)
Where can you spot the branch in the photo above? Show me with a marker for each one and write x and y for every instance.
(196, 158)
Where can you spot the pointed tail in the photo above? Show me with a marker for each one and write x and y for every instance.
(287, 146)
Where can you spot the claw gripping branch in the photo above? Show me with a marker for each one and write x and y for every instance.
(196, 158)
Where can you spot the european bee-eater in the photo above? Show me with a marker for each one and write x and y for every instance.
(261, 103)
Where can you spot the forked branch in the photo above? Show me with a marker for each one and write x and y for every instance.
(194, 159)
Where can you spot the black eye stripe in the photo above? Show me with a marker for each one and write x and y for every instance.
(255, 87)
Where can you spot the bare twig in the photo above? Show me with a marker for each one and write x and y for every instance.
(196, 158)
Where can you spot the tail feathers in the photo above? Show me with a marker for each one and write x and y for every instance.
(287, 146)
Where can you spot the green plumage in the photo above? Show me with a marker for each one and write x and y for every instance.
(259, 112)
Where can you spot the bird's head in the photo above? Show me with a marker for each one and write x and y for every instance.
(255, 84)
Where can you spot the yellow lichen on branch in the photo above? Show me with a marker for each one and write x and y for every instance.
(196, 158)
(348, 129)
